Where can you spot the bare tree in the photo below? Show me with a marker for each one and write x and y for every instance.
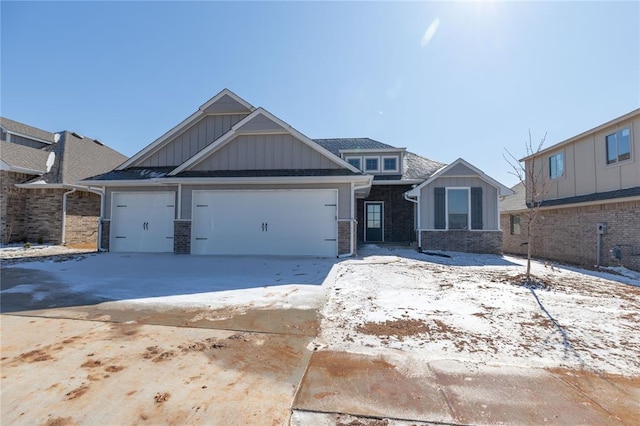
(536, 185)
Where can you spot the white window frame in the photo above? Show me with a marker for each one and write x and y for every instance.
(606, 146)
(354, 157)
(371, 157)
(389, 157)
(446, 207)
(564, 165)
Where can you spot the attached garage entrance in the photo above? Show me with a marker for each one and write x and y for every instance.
(265, 222)
(142, 222)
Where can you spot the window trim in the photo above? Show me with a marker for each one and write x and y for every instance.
(446, 207)
(606, 146)
(564, 165)
(371, 157)
(354, 157)
(389, 157)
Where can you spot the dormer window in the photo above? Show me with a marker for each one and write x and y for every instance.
(355, 162)
(371, 164)
(390, 164)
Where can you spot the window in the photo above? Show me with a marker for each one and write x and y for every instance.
(619, 146)
(355, 162)
(371, 164)
(458, 208)
(515, 224)
(390, 164)
(556, 165)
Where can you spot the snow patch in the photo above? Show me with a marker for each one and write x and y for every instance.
(50, 161)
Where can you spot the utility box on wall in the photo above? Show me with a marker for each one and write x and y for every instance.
(601, 228)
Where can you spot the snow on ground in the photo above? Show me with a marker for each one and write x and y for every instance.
(464, 307)
(178, 281)
(391, 302)
(15, 251)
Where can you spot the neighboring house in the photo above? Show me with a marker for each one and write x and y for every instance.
(385, 215)
(590, 212)
(458, 209)
(40, 198)
(234, 179)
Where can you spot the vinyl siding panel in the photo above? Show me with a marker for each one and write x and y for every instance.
(489, 200)
(344, 194)
(192, 140)
(265, 152)
(260, 123)
(459, 170)
(227, 104)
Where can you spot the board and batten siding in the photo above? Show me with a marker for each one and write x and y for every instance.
(489, 200)
(585, 164)
(265, 152)
(192, 140)
(108, 194)
(344, 194)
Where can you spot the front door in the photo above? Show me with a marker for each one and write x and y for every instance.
(373, 221)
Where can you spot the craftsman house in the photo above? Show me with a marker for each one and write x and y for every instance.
(234, 179)
(590, 207)
(41, 199)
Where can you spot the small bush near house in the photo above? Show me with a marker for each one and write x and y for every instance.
(27, 245)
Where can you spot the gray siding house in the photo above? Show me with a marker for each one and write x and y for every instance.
(232, 179)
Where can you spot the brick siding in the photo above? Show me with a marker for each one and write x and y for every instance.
(569, 234)
(398, 213)
(344, 237)
(83, 214)
(182, 237)
(106, 231)
(43, 215)
(464, 241)
(12, 207)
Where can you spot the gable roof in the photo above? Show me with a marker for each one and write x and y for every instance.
(67, 161)
(226, 97)
(515, 202)
(22, 129)
(503, 190)
(23, 159)
(280, 126)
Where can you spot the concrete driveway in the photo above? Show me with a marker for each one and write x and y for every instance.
(178, 346)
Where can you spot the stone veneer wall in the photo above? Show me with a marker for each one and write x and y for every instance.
(12, 207)
(461, 240)
(344, 237)
(569, 234)
(83, 213)
(182, 236)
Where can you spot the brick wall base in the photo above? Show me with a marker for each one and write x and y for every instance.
(106, 231)
(569, 234)
(344, 237)
(182, 237)
(464, 241)
(43, 215)
(12, 207)
(83, 213)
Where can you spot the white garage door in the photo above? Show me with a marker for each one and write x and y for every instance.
(142, 222)
(284, 222)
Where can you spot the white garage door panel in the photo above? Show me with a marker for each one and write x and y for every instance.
(295, 222)
(142, 222)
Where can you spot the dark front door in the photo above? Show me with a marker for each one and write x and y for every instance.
(373, 221)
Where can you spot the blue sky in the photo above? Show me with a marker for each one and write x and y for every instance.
(443, 79)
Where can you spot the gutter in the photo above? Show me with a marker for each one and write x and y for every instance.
(232, 180)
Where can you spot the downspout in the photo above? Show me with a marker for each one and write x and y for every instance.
(351, 222)
(417, 202)
(64, 214)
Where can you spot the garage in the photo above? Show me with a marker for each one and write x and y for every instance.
(142, 222)
(265, 222)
